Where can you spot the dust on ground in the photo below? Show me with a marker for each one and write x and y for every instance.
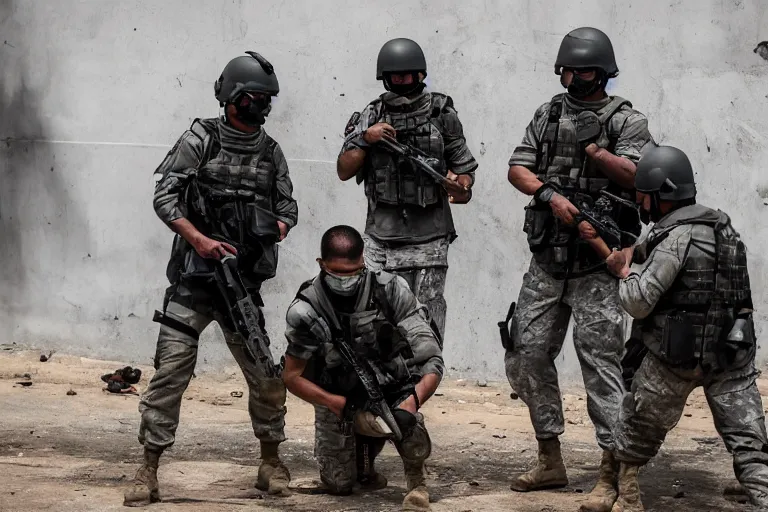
(79, 452)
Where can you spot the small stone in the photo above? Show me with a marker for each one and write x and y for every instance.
(688, 415)
(482, 383)
(499, 436)
(474, 484)
(71, 392)
(679, 494)
(514, 396)
(236, 394)
(462, 401)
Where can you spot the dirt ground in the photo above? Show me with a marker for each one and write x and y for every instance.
(78, 452)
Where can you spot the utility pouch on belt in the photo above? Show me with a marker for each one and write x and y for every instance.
(537, 225)
(678, 340)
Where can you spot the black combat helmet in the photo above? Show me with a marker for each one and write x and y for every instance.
(399, 56)
(587, 48)
(251, 73)
(667, 171)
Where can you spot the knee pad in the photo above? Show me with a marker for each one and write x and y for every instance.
(416, 445)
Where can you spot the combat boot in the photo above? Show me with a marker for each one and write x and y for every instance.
(144, 489)
(629, 490)
(417, 499)
(549, 473)
(367, 448)
(273, 477)
(604, 494)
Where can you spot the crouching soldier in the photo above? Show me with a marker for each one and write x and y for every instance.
(362, 351)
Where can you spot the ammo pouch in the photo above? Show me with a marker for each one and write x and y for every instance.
(737, 344)
(679, 345)
(538, 224)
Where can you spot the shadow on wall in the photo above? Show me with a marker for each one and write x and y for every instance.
(36, 212)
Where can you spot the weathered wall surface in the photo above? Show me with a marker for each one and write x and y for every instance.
(95, 92)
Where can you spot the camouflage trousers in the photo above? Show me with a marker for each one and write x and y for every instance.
(175, 360)
(657, 400)
(336, 453)
(423, 266)
(538, 330)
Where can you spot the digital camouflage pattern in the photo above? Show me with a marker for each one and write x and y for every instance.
(423, 266)
(175, 360)
(538, 330)
(657, 400)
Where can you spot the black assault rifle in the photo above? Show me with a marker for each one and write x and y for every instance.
(422, 161)
(599, 219)
(376, 402)
(245, 315)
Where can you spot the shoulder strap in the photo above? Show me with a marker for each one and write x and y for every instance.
(208, 137)
(548, 137)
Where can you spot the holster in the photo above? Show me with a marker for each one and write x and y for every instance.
(679, 345)
(506, 337)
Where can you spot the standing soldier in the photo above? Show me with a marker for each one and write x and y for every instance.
(579, 143)
(409, 224)
(223, 189)
(691, 297)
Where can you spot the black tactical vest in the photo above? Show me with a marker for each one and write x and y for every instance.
(230, 196)
(692, 319)
(394, 180)
(369, 330)
(561, 160)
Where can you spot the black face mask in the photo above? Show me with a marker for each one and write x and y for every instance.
(581, 88)
(404, 89)
(253, 110)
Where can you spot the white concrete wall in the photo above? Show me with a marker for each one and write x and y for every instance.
(98, 91)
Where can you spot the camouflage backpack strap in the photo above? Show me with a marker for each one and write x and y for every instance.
(204, 130)
(616, 104)
(440, 104)
(548, 137)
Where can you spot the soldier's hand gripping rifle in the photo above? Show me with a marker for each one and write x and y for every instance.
(375, 402)
(610, 236)
(245, 315)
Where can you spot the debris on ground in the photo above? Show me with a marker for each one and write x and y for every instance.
(25, 383)
(236, 394)
(71, 392)
(44, 358)
(121, 380)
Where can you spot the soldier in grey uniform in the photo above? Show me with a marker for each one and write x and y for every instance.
(409, 224)
(223, 189)
(689, 293)
(379, 317)
(580, 142)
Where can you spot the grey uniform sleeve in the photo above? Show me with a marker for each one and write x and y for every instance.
(411, 319)
(641, 290)
(305, 332)
(353, 133)
(525, 154)
(634, 136)
(172, 174)
(285, 206)
(458, 157)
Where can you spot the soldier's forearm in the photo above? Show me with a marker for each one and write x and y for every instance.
(349, 163)
(425, 388)
(187, 231)
(618, 169)
(523, 179)
(312, 393)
